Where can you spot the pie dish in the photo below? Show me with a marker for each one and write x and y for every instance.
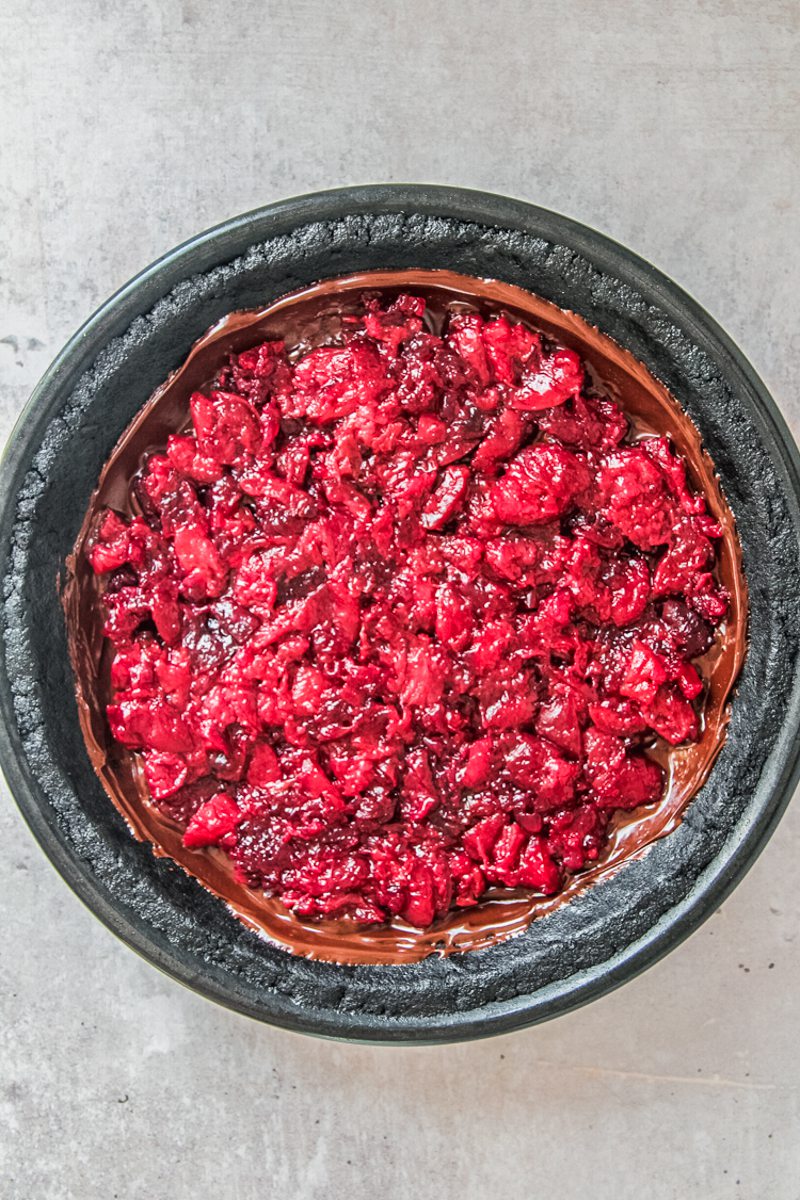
(90, 396)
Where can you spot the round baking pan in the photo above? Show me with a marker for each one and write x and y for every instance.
(74, 418)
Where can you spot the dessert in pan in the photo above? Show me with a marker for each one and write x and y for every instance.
(408, 608)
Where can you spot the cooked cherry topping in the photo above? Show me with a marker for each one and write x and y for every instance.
(397, 619)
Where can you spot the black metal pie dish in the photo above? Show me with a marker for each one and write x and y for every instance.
(83, 404)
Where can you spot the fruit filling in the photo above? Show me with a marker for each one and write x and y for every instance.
(398, 621)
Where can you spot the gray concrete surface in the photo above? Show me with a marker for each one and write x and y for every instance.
(128, 126)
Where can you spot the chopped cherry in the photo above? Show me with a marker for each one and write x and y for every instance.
(398, 616)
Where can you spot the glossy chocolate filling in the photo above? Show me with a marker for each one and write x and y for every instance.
(313, 317)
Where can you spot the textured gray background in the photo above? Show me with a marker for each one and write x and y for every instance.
(127, 127)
